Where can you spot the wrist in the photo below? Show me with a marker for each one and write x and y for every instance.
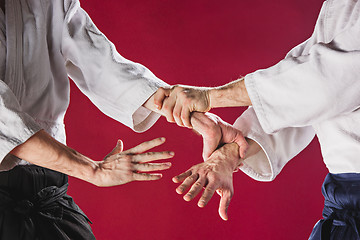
(78, 165)
(213, 95)
(238, 161)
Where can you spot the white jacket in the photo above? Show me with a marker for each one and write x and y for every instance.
(47, 40)
(314, 90)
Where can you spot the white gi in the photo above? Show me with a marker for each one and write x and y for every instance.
(314, 90)
(34, 91)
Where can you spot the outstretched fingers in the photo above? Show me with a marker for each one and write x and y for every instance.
(195, 189)
(181, 177)
(146, 176)
(207, 194)
(187, 183)
(149, 167)
(151, 156)
(145, 146)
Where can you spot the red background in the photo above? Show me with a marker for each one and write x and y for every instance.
(204, 43)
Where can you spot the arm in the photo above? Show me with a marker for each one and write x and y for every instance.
(118, 167)
(117, 86)
(179, 101)
(276, 149)
(212, 128)
(265, 157)
(16, 126)
(317, 81)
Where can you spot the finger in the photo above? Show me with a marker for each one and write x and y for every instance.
(185, 117)
(159, 97)
(207, 195)
(151, 156)
(146, 176)
(210, 145)
(177, 113)
(187, 183)
(243, 146)
(167, 108)
(142, 147)
(117, 149)
(195, 189)
(179, 178)
(148, 167)
(224, 204)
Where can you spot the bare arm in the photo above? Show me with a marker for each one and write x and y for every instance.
(117, 168)
(233, 94)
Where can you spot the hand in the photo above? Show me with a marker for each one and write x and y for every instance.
(215, 174)
(120, 167)
(178, 102)
(216, 132)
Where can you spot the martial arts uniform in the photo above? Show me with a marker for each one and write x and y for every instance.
(314, 90)
(42, 42)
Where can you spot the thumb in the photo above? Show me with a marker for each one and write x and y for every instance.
(210, 145)
(243, 146)
(118, 148)
(224, 204)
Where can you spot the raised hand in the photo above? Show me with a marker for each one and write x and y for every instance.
(120, 167)
(215, 174)
(179, 101)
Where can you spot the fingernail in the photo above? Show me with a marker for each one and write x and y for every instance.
(162, 139)
(168, 164)
(172, 153)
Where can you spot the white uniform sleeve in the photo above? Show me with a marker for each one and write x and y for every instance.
(277, 148)
(317, 81)
(117, 86)
(15, 125)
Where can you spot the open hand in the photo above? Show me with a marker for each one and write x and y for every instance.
(215, 174)
(120, 167)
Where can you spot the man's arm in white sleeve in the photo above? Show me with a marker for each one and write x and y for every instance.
(15, 125)
(117, 86)
(277, 148)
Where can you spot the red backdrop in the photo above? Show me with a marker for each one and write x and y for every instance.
(202, 42)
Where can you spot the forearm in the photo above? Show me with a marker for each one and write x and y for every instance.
(233, 94)
(43, 150)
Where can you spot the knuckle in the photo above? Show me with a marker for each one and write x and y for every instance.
(193, 177)
(210, 188)
(127, 158)
(176, 114)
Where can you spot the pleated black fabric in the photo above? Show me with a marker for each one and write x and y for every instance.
(341, 209)
(34, 206)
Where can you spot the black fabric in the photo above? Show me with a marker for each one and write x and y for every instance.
(34, 206)
(341, 208)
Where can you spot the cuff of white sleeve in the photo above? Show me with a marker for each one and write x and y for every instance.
(258, 166)
(250, 84)
(16, 131)
(143, 118)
